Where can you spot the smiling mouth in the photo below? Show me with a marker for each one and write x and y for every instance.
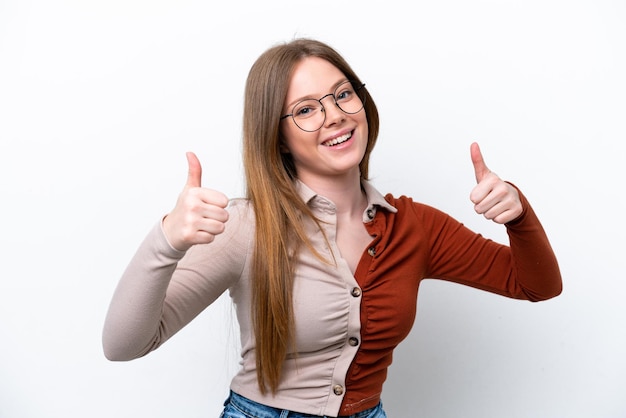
(339, 140)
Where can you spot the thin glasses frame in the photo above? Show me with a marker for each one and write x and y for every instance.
(358, 90)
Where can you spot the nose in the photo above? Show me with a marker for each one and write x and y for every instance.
(332, 112)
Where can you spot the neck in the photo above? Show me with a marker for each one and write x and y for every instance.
(344, 191)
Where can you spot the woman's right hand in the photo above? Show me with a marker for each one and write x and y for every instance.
(199, 214)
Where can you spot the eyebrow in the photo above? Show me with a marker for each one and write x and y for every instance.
(298, 100)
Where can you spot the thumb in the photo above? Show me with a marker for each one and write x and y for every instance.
(480, 168)
(194, 176)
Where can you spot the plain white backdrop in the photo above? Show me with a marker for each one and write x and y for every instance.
(99, 100)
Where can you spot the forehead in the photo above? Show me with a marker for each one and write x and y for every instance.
(313, 76)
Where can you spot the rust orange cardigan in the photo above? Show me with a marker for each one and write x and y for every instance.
(420, 242)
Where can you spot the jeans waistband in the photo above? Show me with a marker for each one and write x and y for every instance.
(250, 408)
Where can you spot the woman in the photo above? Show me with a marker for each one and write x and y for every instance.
(322, 268)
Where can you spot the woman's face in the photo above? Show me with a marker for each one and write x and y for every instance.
(337, 148)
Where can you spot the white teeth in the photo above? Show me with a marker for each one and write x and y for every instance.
(338, 140)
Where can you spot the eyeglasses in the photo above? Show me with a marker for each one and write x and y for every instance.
(310, 115)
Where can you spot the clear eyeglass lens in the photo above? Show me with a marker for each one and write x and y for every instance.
(309, 114)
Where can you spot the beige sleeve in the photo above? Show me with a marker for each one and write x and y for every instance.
(163, 289)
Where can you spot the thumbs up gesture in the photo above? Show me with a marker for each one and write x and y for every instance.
(199, 214)
(492, 197)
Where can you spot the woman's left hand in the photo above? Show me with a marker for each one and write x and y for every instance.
(492, 197)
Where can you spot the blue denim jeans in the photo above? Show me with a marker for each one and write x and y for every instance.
(237, 406)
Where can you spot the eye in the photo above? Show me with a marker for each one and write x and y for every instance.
(306, 109)
(344, 93)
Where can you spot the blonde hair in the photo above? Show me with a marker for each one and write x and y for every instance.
(270, 187)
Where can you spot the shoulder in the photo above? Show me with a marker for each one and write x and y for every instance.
(417, 215)
(400, 206)
(406, 204)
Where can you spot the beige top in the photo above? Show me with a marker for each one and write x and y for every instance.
(163, 289)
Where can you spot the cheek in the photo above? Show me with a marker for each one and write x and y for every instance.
(294, 139)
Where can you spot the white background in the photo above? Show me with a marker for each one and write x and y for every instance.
(99, 100)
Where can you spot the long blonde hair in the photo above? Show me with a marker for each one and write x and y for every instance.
(270, 187)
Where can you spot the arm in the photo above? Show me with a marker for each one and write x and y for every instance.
(535, 263)
(526, 269)
(503, 203)
(155, 296)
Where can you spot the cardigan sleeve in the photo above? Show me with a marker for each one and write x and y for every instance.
(534, 260)
(525, 269)
(163, 289)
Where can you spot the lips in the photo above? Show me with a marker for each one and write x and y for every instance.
(339, 140)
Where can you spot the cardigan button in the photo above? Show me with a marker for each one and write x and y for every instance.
(371, 251)
(371, 213)
(338, 390)
(356, 292)
(353, 341)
